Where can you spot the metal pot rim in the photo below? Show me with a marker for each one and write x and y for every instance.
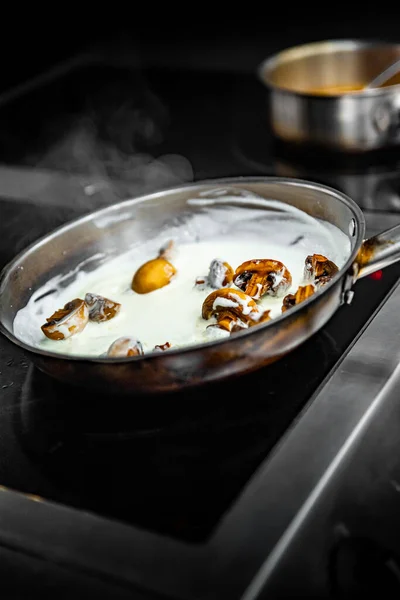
(290, 54)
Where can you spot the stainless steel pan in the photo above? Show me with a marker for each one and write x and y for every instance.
(360, 121)
(246, 351)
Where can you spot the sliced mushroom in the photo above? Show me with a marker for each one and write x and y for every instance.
(201, 282)
(319, 269)
(232, 309)
(67, 321)
(220, 275)
(100, 308)
(125, 346)
(229, 322)
(261, 317)
(162, 347)
(264, 317)
(263, 276)
(155, 273)
(303, 292)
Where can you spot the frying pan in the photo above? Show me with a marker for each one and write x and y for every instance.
(110, 231)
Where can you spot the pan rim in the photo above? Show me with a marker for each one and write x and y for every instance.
(303, 183)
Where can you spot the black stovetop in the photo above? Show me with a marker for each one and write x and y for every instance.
(170, 464)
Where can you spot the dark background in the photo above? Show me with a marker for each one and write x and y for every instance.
(234, 37)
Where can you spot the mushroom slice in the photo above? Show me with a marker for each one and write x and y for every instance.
(162, 347)
(125, 346)
(155, 273)
(67, 321)
(303, 292)
(319, 269)
(259, 277)
(220, 275)
(261, 317)
(229, 322)
(100, 308)
(264, 317)
(232, 309)
(201, 282)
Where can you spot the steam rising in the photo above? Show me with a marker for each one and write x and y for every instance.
(111, 150)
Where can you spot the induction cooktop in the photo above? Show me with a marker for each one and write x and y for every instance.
(185, 495)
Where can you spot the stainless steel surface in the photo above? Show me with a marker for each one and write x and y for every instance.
(386, 251)
(362, 395)
(106, 232)
(358, 121)
(384, 77)
(255, 533)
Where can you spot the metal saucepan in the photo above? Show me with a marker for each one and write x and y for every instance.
(112, 230)
(316, 95)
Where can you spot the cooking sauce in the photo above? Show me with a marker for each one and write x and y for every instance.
(334, 90)
(173, 314)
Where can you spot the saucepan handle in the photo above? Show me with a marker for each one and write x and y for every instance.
(378, 252)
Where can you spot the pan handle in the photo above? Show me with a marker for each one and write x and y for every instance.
(378, 252)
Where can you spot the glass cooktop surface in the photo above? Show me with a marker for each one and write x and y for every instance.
(98, 134)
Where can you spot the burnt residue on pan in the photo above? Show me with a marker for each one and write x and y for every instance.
(368, 250)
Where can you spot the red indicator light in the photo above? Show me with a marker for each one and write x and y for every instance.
(377, 275)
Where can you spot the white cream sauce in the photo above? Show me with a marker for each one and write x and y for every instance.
(173, 313)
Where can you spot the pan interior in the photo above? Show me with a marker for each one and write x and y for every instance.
(216, 223)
